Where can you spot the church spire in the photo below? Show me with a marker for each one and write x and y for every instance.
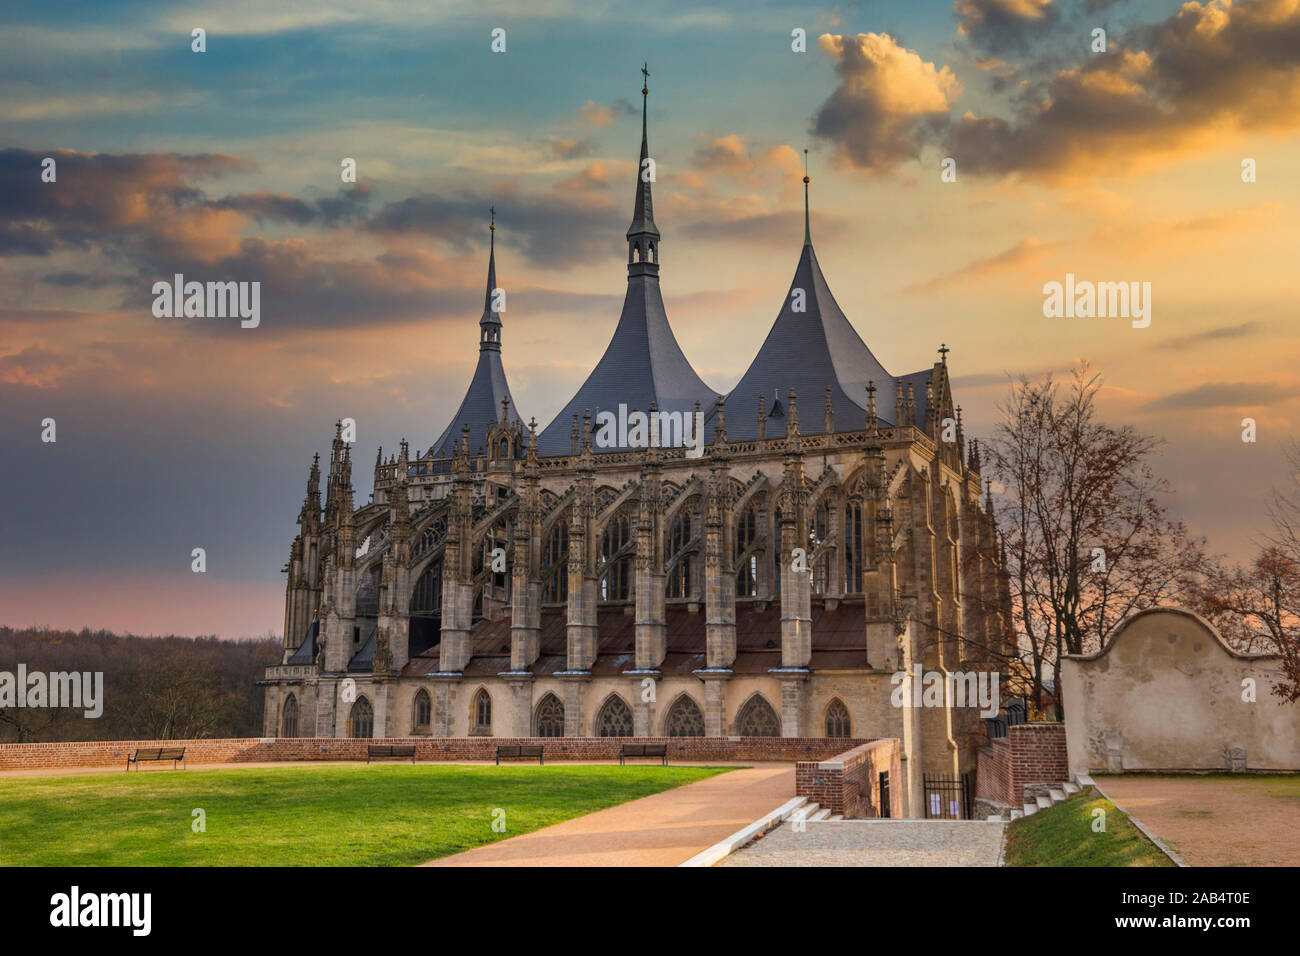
(489, 338)
(807, 232)
(643, 234)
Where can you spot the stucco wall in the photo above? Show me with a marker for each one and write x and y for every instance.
(1166, 694)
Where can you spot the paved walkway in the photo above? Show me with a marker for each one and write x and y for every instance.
(1214, 820)
(664, 829)
(876, 843)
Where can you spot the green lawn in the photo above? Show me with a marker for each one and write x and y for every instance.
(1062, 835)
(347, 815)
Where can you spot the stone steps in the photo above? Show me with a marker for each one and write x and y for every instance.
(1057, 795)
(821, 814)
(1030, 809)
(1070, 788)
(1043, 802)
(1017, 814)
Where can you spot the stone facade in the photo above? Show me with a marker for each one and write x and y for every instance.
(517, 583)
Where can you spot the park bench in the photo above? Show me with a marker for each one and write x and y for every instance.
(390, 750)
(522, 750)
(156, 753)
(643, 750)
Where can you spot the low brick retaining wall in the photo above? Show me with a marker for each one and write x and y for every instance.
(848, 783)
(107, 753)
(1028, 754)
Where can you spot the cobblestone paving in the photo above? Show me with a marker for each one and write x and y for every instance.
(876, 843)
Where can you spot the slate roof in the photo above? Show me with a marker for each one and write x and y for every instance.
(838, 642)
(808, 351)
(481, 405)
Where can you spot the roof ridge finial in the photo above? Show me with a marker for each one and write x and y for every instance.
(807, 232)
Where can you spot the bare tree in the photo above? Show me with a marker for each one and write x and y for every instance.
(1087, 536)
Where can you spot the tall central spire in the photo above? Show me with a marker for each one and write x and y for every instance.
(489, 337)
(643, 234)
(807, 233)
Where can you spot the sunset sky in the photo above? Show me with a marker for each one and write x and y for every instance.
(183, 433)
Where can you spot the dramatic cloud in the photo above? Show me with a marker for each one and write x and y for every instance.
(1208, 71)
(1225, 394)
(1002, 24)
(889, 102)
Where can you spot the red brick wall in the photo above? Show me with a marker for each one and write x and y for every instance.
(1030, 753)
(849, 783)
(239, 750)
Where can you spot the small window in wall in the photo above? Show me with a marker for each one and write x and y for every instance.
(423, 709)
(289, 723)
(361, 721)
(758, 719)
(482, 714)
(614, 719)
(549, 717)
(837, 719)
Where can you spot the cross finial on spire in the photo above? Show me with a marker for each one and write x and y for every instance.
(645, 73)
(943, 351)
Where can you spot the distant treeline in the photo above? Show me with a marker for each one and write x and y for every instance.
(154, 688)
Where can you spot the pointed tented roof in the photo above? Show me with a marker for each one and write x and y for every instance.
(808, 351)
(643, 364)
(481, 405)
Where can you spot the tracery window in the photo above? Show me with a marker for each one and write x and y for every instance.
(614, 718)
(549, 717)
(837, 719)
(747, 572)
(423, 708)
(853, 565)
(361, 721)
(427, 598)
(684, 719)
(616, 578)
(758, 719)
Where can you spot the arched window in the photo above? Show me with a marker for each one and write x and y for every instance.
(423, 709)
(757, 719)
(616, 579)
(679, 575)
(361, 722)
(555, 565)
(289, 719)
(481, 714)
(837, 719)
(853, 547)
(427, 598)
(614, 718)
(818, 532)
(684, 719)
(747, 573)
(548, 720)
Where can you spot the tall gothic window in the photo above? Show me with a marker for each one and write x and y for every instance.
(482, 714)
(616, 578)
(361, 721)
(289, 720)
(747, 573)
(614, 719)
(758, 719)
(853, 566)
(423, 709)
(679, 575)
(818, 533)
(555, 565)
(549, 717)
(837, 719)
(427, 598)
(684, 719)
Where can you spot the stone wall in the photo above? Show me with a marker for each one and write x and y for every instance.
(243, 750)
(849, 782)
(1166, 693)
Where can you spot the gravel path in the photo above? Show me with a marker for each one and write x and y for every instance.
(876, 843)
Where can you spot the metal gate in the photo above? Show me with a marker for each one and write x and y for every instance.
(948, 797)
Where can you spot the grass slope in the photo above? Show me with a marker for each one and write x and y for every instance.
(349, 815)
(1062, 835)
